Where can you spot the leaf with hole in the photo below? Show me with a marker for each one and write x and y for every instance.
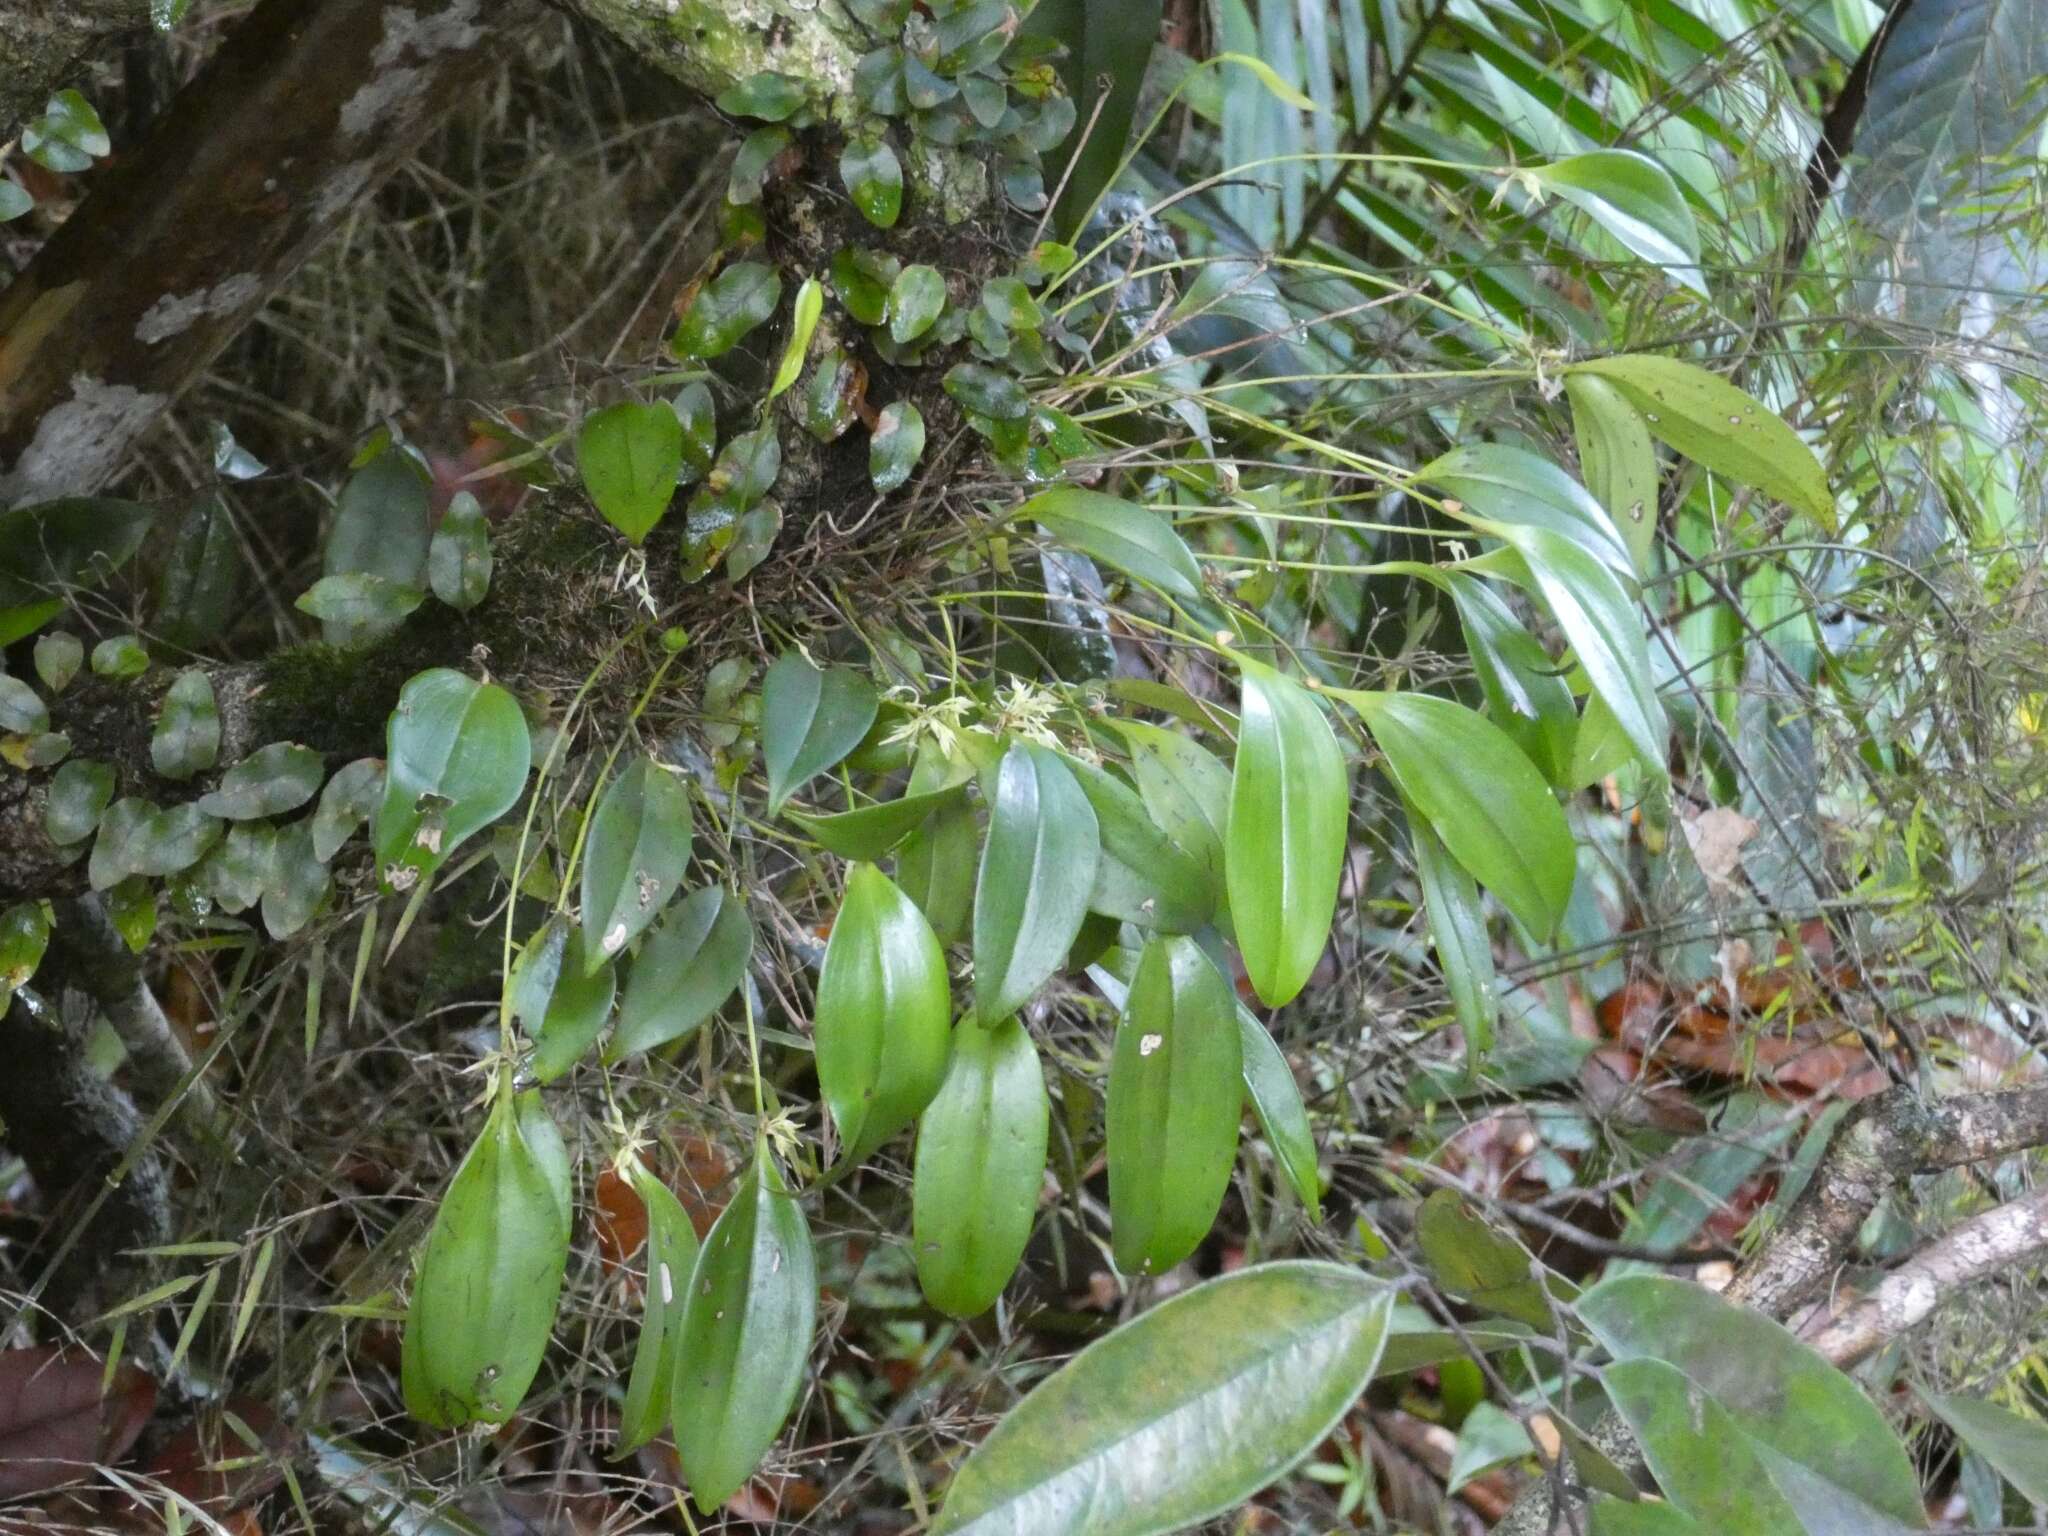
(746, 1335)
(1284, 850)
(883, 1013)
(811, 718)
(457, 753)
(1176, 1090)
(980, 1164)
(1037, 872)
(690, 964)
(1182, 1414)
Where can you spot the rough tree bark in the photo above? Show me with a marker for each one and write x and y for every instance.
(45, 43)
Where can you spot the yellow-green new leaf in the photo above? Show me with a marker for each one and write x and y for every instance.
(483, 1301)
(1484, 798)
(1182, 1414)
(1175, 1094)
(803, 324)
(671, 1258)
(638, 852)
(980, 1163)
(746, 1334)
(1037, 871)
(883, 1013)
(1719, 427)
(1284, 853)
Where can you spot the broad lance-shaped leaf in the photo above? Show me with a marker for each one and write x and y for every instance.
(1487, 802)
(1037, 869)
(1618, 460)
(456, 759)
(810, 719)
(936, 867)
(576, 1012)
(1289, 810)
(871, 831)
(1275, 1098)
(1780, 1391)
(1635, 200)
(1182, 1414)
(671, 1257)
(1503, 484)
(2016, 1447)
(980, 1164)
(1457, 927)
(638, 853)
(883, 1013)
(1175, 1093)
(1185, 788)
(1702, 1461)
(1142, 876)
(1134, 539)
(483, 1302)
(691, 963)
(1525, 696)
(745, 1337)
(1719, 427)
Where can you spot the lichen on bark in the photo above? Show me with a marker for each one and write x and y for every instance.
(711, 45)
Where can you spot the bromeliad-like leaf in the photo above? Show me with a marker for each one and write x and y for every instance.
(483, 1302)
(1719, 427)
(980, 1162)
(1134, 539)
(1289, 808)
(1183, 1413)
(1037, 871)
(638, 852)
(811, 718)
(883, 1013)
(689, 966)
(1777, 1389)
(630, 455)
(457, 754)
(746, 1334)
(1175, 1093)
(671, 1258)
(1635, 200)
(1484, 798)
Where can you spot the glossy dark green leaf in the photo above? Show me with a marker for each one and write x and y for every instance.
(699, 418)
(769, 95)
(58, 656)
(1176, 1090)
(1617, 459)
(79, 792)
(1606, 634)
(883, 1013)
(268, 782)
(987, 391)
(872, 831)
(1784, 1394)
(629, 455)
(380, 534)
(1487, 802)
(1635, 200)
(753, 162)
(459, 558)
(52, 546)
(826, 407)
(1142, 875)
(1134, 539)
(896, 446)
(691, 963)
(1037, 872)
(349, 799)
(980, 1164)
(1525, 695)
(1505, 484)
(358, 604)
(2016, 1447)
(1186, 789)
(746, 1335)
(22, 709)
(25, 934)
(457, 753)
(671, 1251)
(1470, 1259)
(577, 1010)
(1107, 49)
(810, 719)
(733, 303)
(483, 1300)
(638, 851)
(1182, 1414)
(873, 177)
(201, 579)
(915, 300)
(187, 736)
(1275, 1098)
(863, 280)
(1284, 852)
(135, 838)
(746, 468)
(1701, 1459)
(1457, 927)
(1719, 427)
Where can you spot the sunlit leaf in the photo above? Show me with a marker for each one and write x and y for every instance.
(629, 455)
(1635, 200)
